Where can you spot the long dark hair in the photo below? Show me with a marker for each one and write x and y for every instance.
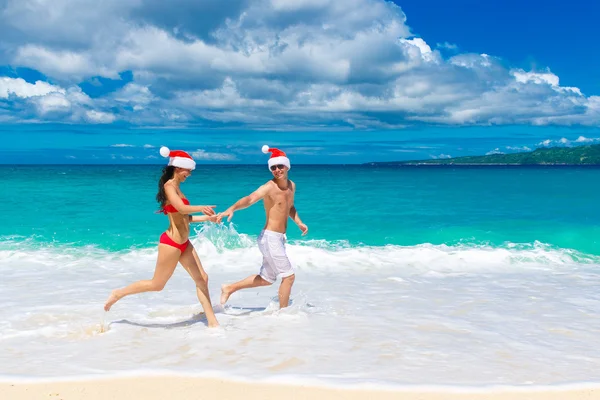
(167, 174)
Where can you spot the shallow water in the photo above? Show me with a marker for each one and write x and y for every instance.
(390, 315)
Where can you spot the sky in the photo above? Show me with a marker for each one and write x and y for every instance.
(83, 81)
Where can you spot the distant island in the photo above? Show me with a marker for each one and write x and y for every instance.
(579, 155)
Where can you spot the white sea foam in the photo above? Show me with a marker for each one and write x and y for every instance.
(418, 315)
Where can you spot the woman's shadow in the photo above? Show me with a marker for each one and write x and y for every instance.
(194, 319)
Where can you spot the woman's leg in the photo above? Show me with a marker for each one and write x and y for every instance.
(168, 257)
(191, 262)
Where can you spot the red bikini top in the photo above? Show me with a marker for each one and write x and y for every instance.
(170, 209)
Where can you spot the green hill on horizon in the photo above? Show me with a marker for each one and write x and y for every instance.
(579, 155)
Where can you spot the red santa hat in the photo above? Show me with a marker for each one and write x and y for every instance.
(178, 158)
(277, 156)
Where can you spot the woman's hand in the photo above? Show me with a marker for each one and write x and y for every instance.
(208, 210)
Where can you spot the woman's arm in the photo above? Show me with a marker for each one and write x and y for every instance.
(182, 208)
(203, 218)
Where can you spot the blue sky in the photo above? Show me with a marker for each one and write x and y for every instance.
(555, 34)
(328, 82)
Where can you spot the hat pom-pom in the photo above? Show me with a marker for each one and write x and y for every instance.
(265, 149)
(164, 151)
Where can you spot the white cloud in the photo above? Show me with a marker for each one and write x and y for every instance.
(495, 151)
(298, 5)
(121, 145)
(539, 78)
(53, 102)
(583, 139)
(266, 63)
(543, 78)
(447, 46)
(518, 148)
(133, 93)
(20, 88)
(309, 150)
(61, 64)
(149, 146)
(424, 49)
(508, 149)
(441, 156)
(201, 154)
(99, 117)
(564, 142)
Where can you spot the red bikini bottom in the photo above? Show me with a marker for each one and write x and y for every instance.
(165, 239)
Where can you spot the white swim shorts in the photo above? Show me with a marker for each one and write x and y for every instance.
(275, 261)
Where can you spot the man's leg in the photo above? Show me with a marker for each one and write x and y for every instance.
(249, 282)
(285, 289)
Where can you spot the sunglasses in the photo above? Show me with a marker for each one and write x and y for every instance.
(278, 166)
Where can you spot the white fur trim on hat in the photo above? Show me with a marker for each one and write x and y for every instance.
(279, 160)
(182, 162)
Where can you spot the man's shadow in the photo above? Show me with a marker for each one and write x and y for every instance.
(194, 319)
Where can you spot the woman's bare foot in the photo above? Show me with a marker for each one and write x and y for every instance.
(112, 299)
(225, 293)
(214, 324)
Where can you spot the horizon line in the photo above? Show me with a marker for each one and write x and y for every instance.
(164, 165)
(385, 164)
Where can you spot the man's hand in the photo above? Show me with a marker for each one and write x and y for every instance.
(208, 210)
(226, 213)
(215, 218)
(303, 228)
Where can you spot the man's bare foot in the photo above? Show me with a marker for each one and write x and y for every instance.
(213, 324)
(112, 299)
(225, 293)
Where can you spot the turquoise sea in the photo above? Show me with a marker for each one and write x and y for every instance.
(113, 207)
(409, 276)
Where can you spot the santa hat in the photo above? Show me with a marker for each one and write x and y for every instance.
(277, 157)
(178, 158)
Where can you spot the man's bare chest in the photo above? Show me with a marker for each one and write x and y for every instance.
(281, 197)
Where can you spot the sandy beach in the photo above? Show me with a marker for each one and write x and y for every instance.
(184, 388)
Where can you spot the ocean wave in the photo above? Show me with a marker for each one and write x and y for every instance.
(222, 247)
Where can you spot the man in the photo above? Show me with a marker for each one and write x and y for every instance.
(278, 197)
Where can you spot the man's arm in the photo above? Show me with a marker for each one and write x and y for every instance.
(296, 218)
(246, 201)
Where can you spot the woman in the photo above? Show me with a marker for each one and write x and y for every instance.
(174, 245)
